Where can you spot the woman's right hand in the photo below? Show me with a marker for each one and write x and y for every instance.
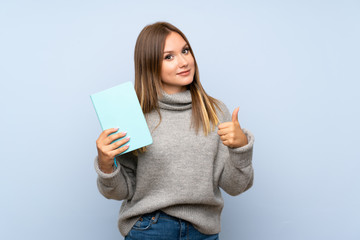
(108, 150)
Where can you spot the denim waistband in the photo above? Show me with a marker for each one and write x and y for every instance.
(160, 214)
(159, 225)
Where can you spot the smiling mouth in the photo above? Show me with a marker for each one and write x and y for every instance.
(184, 72)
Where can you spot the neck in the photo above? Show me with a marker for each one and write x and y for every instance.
(174, 89)
(177, 101)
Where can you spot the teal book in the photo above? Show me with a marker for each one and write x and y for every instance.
(119, 107)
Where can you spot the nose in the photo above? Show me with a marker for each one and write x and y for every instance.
(182, 61)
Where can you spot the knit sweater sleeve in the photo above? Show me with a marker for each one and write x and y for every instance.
(235, 164)
(119, 184)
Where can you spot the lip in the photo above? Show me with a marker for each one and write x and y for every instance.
(184, 73)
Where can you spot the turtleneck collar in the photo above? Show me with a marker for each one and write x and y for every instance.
(177, 101)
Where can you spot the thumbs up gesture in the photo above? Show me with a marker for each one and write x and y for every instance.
(230, 132)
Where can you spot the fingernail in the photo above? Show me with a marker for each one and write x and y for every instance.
(127, 138)
(116, 128)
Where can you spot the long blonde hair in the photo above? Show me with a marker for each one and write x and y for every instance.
(148, 57)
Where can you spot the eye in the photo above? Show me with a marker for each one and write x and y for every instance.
(186, 50)
(168, 57)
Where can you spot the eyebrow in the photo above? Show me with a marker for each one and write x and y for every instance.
(186, 45)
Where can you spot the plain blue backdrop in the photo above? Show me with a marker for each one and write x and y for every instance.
(291, 66)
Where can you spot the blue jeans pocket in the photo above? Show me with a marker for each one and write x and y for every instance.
(143, 223)
(146, 221)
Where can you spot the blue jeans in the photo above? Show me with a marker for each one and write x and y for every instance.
(158, 225)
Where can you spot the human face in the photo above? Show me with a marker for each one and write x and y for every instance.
(178, 67)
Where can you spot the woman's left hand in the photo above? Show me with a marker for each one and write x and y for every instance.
(230, 132)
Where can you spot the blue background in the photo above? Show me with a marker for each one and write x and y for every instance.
(291, 66)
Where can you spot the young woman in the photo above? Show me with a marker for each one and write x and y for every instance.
(171, 188)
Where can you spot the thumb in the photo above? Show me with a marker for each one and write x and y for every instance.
(235, 115)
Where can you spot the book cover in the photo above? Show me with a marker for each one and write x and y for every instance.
(119, 107)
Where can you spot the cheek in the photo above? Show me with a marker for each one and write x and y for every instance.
(163, 70)
(192, 65)
(191, 62)
(167, 70)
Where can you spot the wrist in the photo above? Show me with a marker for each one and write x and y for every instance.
(242, 141)
(106, 169)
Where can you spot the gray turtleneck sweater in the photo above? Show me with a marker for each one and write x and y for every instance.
(181, 173)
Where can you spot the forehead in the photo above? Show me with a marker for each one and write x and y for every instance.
(174, 42)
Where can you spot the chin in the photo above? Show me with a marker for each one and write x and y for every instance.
(188, 80)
